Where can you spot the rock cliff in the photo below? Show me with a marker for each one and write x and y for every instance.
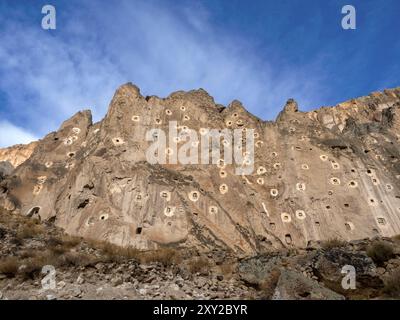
(329, 173)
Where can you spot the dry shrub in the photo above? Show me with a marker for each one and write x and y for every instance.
(227, 270)
(29, 230)
(76, 259)
(396, 238)
(114, 253)
(31, 267)
(333, 243)
(165, 256)
(392, 285)
(70, 241)
(380, 252)
(199, 265)
(9, 266)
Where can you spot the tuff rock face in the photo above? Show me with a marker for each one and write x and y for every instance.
(17, 154)
(329, 173)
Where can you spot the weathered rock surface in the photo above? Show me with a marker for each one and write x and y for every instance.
(294, 286)
(5, 169)
(17, 154)
(328, 173)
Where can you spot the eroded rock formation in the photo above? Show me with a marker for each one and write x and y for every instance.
(329, 173)
(17, 154)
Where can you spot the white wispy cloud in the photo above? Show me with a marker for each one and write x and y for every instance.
(11, 135)
(48, 76)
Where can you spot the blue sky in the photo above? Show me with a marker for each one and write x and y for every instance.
(259, 52)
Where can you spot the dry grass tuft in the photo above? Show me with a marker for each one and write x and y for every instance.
(9, 266)
(380, 252)
(333, 243)
(199, 265)
(392, 285)
(166, 256)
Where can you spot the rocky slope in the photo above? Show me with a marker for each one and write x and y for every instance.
(92, 270)
(329, 173)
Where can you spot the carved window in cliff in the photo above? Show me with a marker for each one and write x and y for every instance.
(261, 170)
(203, 131)
(168, 112)
(317, 224)
(118, 141)
(277, 165)
(165, 195)
(335, 181)
(260, 181)
(300, 214)
(136, 118)
(288, 239)
(222, 173)
(372, 202)
(274, 154)
(221, 163)
(223, 188)
(389, 187)
(335, 165)
(323, 157)
(48, 164)
(41, 180)
(68, 141)
(349, 226)
(286, 217)
(37, 188)
(104, 217)
(375, 181)
(169, 211)
(381, 221)
(34, 212)
(274, 192)
(213, 210)
(183, 108)
(186, 118)
(272, 226)
(353, 184)
(301, 186)
(305, 166)
(138, 230)
(194, 196)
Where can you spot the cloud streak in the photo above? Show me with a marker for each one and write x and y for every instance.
(13, 135)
